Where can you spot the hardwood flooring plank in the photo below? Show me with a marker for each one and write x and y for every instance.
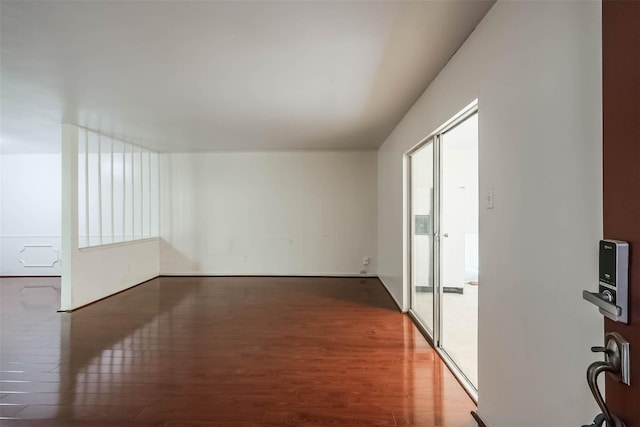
(222, 351)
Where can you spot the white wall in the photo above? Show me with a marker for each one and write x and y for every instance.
(90, 274)
(536, 69)
(30, 215)
(105, 270)
(280, 213)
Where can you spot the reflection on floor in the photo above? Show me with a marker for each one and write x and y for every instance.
(460, 327)
(221, 352)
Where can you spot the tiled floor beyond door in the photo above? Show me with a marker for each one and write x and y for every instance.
(187, 352)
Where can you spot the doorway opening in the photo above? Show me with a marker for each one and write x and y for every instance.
(443, 242)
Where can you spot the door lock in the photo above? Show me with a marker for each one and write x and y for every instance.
(612, 296)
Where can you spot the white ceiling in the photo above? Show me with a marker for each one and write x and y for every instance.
(222, 75)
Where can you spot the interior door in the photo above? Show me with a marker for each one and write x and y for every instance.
(621, 177)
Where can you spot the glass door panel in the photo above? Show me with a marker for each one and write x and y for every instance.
(422, 289)
(459, 245)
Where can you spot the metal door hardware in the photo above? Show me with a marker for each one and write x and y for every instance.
(616, 363)
(612, 297)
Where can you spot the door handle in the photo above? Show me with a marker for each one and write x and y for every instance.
(616, 350)
(446, 234)
(603, 301)
(595, 369)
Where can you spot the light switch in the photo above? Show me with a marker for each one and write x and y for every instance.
(489, 199)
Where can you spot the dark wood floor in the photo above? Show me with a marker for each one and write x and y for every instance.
(187, 352)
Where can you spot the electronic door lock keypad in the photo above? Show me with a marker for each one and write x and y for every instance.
(612, 297)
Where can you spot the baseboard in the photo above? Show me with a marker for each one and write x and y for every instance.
(329, 275)
(479, 420)
(386, 288)
(108, 296)
(22, 276)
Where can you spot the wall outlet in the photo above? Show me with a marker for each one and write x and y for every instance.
(365, 260)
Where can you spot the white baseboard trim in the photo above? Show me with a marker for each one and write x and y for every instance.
(191, 274)
(399, 305)
(481, 421)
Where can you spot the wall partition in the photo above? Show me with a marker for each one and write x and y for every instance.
(117, 191)
(109, 216)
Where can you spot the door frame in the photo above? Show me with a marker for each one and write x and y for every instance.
(430, 335)
(434, 337)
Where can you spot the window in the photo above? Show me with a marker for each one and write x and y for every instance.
(118, 194)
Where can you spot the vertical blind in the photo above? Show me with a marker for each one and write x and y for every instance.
(118, 194)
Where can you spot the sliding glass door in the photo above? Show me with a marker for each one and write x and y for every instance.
(444, 242)
(422, 279)
(459, 245)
